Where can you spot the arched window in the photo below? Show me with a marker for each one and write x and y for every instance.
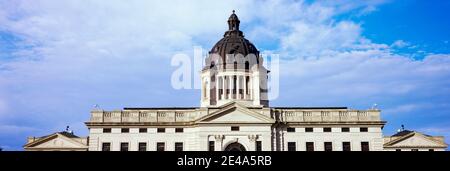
(212, 65)
(247, 65)
(235, 65)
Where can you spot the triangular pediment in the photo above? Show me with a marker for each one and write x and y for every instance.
(55, 141)
(415, 139)
(235, 113)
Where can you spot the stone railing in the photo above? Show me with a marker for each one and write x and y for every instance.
(296, 115)
(120, 116)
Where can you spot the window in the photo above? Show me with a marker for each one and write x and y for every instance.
(106, 146)
(289, 129)
(106, 130)
(178, 129)
(328, 146)
(142, 130)
(125, 130)
(398, 149)
(327, 129)
(414, 149)
(142, 146)
(346, 146)
(364, 146)
(161, 130)
(363, 129)
(211, 145)
(160, 146)
(178, 146)
(247, 65)
(291, 146)
(123, 146)
(345, 129)
(431, 150)
(308, 129)
(309, 146)
(258, 146)
(234, 128)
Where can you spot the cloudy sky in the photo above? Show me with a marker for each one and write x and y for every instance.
(59, 58)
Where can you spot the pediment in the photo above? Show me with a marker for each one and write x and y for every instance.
(235, 113)
(56, 141)
(415, 140)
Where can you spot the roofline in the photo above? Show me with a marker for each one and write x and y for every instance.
(309, 107)
(159, 108)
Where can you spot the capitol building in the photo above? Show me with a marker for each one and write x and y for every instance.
(234, 114)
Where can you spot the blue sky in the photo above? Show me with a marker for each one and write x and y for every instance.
(59, 58)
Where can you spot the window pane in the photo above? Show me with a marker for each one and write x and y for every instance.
(346, 146)
(178, 129)
(308, 129)
(211, 145)
(328, 146)
(142, 147)
(160, 146)
(178, 146)
(142, 130)
(326, 129)
(345, 129)
(363, 129)
(161, 130)
(123, 146)
(234, 128)
(289, 129)
(364, 146)
(309, 146)
(106, 147)
(291, 146)
(258, 146)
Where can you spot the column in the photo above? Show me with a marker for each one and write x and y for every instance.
(245, 86)
(217, 88)
(218, 143)
(238, 86)
(231, 87)
(252, 139)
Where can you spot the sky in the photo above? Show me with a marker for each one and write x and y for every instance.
(60, 58)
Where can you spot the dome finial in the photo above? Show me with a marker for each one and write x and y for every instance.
(233, 11)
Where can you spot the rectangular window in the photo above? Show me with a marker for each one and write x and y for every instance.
(290, 129)
(363, 129)
(160, 146)
(431, 150)
(258, 146)
(234, 128)
(106, 146)
(178, 130)
(106, 130)
(142, 130)
(309, 146)
(125, 130)
(309, 129)
(364, 146)
(161, 130)
(414, 149)
(345, 129)
(328, 146)
(124, 146)
(142, 146)
(327, 129)
(398, 149)
(211, 145)
(346, 146)
(291, 146)
(178, 146)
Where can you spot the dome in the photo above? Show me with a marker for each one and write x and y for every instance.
(233, 41)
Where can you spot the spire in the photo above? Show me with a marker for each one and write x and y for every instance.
(233, 22)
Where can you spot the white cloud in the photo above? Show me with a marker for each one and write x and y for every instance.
(400, 44)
